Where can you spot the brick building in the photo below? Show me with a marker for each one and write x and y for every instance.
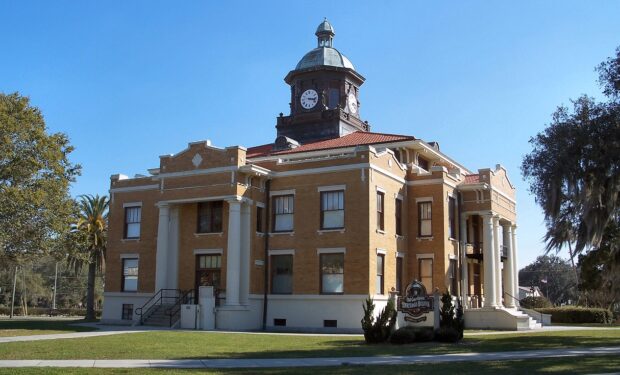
(295, 234)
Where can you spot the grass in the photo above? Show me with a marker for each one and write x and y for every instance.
(582, 365)
(193, 345)
(28, 327)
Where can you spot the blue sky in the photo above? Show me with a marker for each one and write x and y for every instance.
(131, 80)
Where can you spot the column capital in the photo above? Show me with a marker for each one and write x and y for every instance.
(235, 199)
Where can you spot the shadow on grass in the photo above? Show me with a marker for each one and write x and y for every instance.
(358, 348)
(45, 325)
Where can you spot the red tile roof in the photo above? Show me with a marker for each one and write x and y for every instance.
(354, 139)
(472, 179)
(257, 151)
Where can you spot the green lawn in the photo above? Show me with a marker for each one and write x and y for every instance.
(28, 327)
(180, 345)
(583, 365)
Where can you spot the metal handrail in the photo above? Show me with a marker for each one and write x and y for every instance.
(186, 297)
(155, 300)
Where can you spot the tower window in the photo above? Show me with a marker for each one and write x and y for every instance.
(334, 98)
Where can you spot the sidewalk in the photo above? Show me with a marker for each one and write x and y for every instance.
(311, 362)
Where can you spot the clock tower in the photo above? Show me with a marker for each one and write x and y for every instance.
(324, 95)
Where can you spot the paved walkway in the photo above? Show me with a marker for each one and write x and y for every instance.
(307, 362)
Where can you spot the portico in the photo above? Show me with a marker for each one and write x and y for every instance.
(237, 246)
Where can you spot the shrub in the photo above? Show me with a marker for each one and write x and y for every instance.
(573, 314)
(448, 334)
(424, 334)
(404, 335)
(450, 324)
(44, 311)
(379, 330)
(535, 303)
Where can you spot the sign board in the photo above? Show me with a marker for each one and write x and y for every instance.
(415, 307)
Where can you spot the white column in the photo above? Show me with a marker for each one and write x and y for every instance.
(489, 262)
(464, 268)
(508, 267)
(173, 248)
(233, 256)
(244, 271)
(161, 257)
(498, 262)
(515, 269)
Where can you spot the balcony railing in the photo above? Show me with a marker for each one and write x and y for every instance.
(474, 250)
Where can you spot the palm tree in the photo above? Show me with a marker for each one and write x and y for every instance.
(92, 230)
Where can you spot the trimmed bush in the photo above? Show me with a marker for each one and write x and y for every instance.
(573, 314)
(424, 334)
(448, 334)
(535, 303)
(410, 335)
(404, 335)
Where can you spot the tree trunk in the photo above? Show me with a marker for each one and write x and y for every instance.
(90, 292)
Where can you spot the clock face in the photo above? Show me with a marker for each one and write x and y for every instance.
(352, 100)
(309, 99)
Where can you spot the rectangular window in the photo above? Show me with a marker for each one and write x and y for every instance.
(452, 216)
(399, 275)
(259, 219)
(279, 322)
(380, 210)
(425, 219)
(132, 222)
(210, 217)
(281, 274)
(330, 323)
(452, 276)
(399, 217)
(127, 313)
(283, 211)
(332, 273)
(334, 98)
(426, 273)
(129, 282)
(209, 261)
(380, 272)
(332, 209)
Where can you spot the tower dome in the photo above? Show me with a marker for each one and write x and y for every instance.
(325, 54)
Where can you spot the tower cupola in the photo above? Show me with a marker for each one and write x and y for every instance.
(325, 34)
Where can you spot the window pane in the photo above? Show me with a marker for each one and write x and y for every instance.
(399, 274)
(332, 269)
(333, 283)
(132, 222)
(425, 228)
(133, 230)
(333, 219)
(130, 284)
(281, 274)
(284, 222)
(426, 274)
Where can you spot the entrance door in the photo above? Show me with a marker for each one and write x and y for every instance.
(208, 273)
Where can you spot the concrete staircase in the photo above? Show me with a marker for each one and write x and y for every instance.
(500, 318)
(159, 317)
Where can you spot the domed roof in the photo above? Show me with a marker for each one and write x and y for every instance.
(324, 54)
(327, 56)
(325, 26)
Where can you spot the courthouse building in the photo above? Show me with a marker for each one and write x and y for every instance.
(295, 234)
